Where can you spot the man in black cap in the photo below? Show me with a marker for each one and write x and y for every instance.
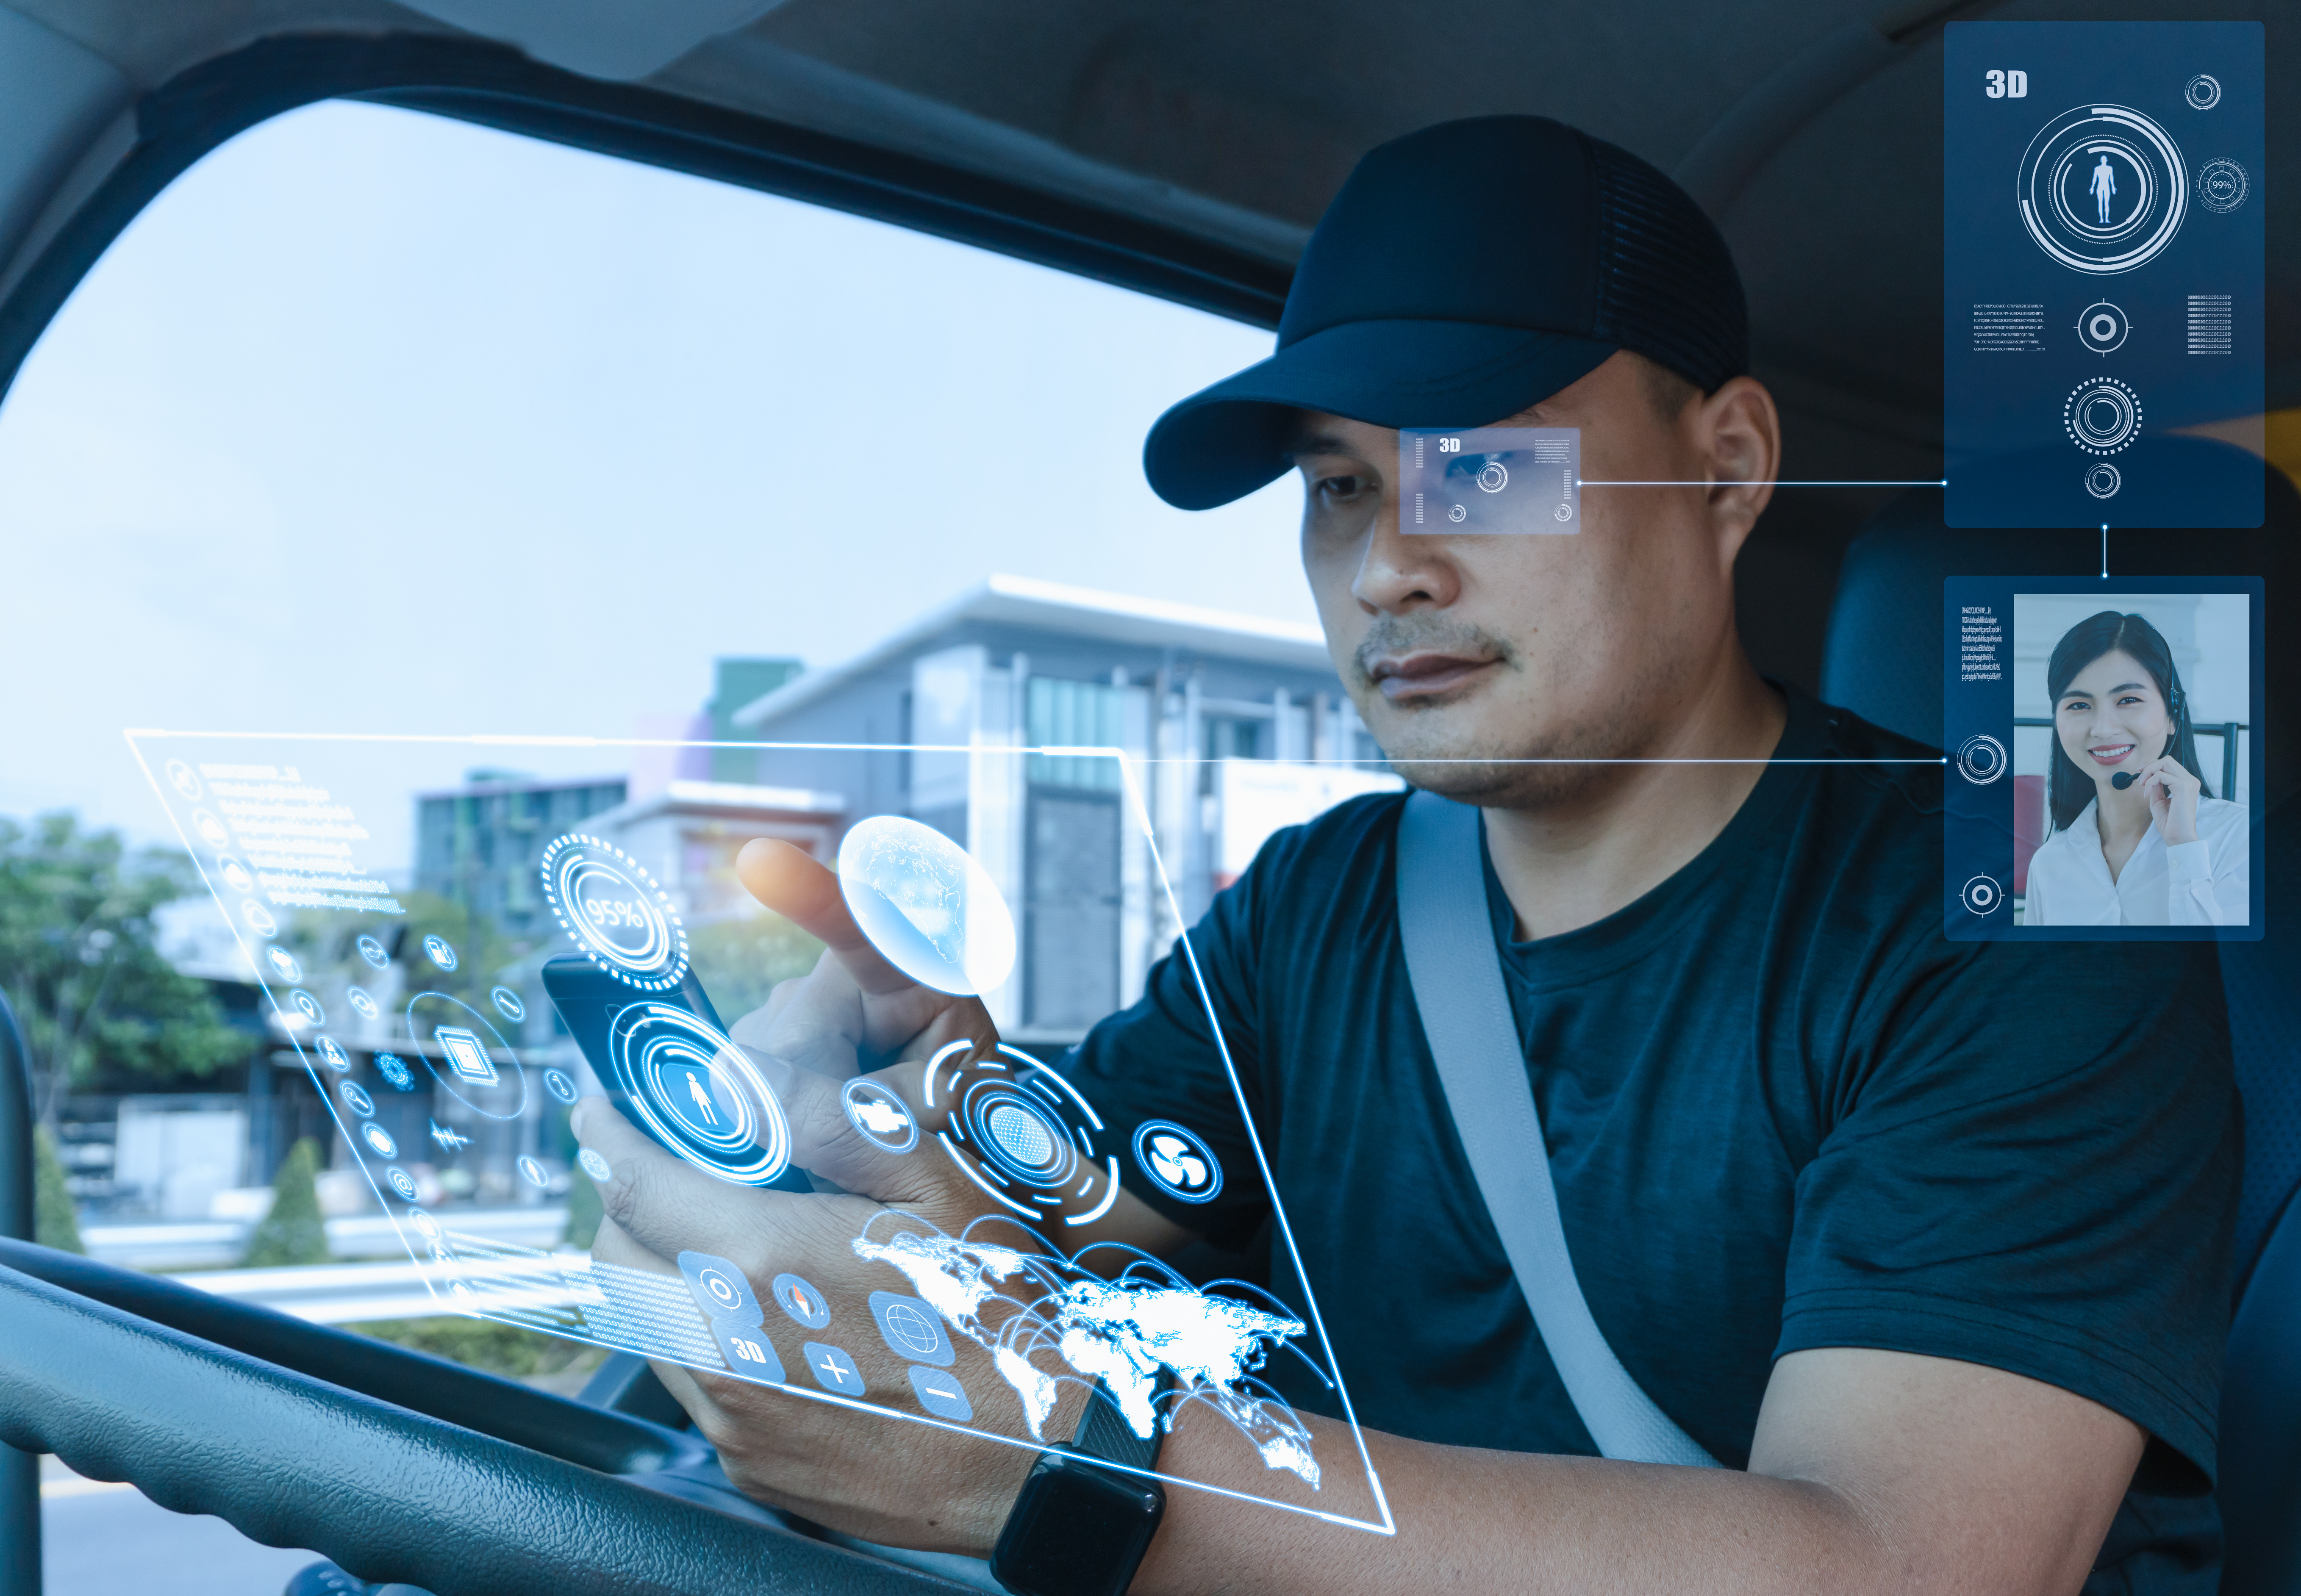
(1926, 1242)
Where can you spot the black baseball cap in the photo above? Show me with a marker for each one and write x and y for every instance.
(1462, 274)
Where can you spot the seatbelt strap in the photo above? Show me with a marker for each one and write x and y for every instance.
(1457, 974)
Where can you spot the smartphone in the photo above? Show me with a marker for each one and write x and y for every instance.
(667, 1065)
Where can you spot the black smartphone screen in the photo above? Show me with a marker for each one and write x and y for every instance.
(665, 1062)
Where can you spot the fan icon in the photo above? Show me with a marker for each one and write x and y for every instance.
(1183, 1166)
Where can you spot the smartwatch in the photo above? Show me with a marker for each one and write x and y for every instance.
(1077, 1529)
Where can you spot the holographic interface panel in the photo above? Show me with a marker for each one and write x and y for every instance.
(2103, 270)
(921, 1242)
(1490, 480)
(2105, 757)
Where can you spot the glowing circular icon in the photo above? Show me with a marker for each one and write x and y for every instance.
(356, 1098)
(2203, 92)
(372, 951)
(1981, 759)
(259, 919)
(927, 905)
(2103, 188)
(2102, 327)
(181, 777)
(425, 1225)
(1492, 477)
(559, 1085)
(2222, 185)
(1177, 1161)
(595, 1164)
(440, 952)
(611, 907)
(211, 829)
(235, 874)
(1982, 895)
(308, 1007)
(393, 1069)
(1457, 512)
(699, 1093)
(717, 1285)
(878, 1115)
(2102, 479)
(1032, 1133)
(800, 1300)
(362, 1004)
(283, 964)
(2103, 415)
(533, 1171)
(467, 1055)
(404, 1183)
(508, 1004)
(331, 1054)
(379, 1138)
(1564, 512)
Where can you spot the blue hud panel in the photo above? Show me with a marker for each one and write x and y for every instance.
(2105, 758)
(2102, 270)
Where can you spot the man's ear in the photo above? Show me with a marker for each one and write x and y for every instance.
(1737, 434)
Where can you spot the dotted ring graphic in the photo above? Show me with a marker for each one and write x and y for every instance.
(2203, 92)
(2102, 415)
(1982, 895)
(2222, 185)
(611, 907)
(2102, 480)
(649, 1039)
(1981, 759)
(2154, 162)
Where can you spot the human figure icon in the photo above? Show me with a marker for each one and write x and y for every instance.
(702, 1097)
(2104, 184)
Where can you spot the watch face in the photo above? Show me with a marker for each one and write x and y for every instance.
(1076, 1531)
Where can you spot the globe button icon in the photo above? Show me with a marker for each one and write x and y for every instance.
(910, 1328)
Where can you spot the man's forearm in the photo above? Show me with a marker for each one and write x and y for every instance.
(1471, 1520)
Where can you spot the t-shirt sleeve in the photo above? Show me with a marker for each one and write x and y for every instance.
(1163, 1059)
(2033, 1167)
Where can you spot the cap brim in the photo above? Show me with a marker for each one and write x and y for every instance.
(1224, 442)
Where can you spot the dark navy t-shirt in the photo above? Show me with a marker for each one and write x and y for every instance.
(1783, 1111)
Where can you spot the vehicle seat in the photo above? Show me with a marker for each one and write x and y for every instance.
(1882, 659)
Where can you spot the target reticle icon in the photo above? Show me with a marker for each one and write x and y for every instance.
(613, 911)
(2103, 188)
(2103, 415)
(2102, 327)
(699, 1093)
(1032, 1136)
(1982, 895)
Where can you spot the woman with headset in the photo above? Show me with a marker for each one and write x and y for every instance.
(2137, 839)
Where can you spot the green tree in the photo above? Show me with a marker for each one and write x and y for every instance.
(77, 961)
(293, 1232)
(53, 1222)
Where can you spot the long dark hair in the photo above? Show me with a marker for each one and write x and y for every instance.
(2067, 789)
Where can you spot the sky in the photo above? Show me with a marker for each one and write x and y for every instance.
(379, 423)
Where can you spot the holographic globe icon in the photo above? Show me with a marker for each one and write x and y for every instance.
(927, 905)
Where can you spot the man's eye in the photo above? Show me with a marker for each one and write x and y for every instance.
(1341, 487)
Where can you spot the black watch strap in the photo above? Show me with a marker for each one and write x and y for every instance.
(1080, 1527)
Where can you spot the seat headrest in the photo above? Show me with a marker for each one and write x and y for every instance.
(1882, 657)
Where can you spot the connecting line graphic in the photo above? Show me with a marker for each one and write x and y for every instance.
(1902, 759)
(2104, 551)
(1771, 482)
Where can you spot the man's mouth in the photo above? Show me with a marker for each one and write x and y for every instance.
(2111, 752)
(1423, 674)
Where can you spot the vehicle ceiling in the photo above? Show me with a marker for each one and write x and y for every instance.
(1811, 128)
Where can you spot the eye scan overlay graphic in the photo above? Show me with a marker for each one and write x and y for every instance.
(1491, 479)
(2103, 759)
(449, 1015)
(2103, 273)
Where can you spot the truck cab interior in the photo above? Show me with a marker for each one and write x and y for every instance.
(1180, 151)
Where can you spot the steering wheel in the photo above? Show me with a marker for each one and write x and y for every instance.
(396, 1465)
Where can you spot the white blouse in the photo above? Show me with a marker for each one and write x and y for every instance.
(2204, 883)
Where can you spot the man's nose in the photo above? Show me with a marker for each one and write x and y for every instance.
(1404, 570)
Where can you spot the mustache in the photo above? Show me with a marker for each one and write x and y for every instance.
(1405, 634)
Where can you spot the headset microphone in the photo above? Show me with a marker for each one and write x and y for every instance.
(2121, 779)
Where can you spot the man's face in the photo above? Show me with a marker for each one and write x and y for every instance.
(1496, 647)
